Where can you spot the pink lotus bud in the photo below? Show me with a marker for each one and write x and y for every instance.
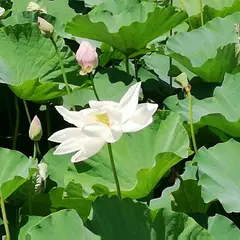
(2, 11)
(45, 27)
(87, 57)
(35, 130)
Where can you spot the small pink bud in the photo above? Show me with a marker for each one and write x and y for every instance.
(45, 27)
(35, 130)
(87, 57)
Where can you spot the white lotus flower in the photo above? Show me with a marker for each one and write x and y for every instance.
(2, 11)
(104, 122)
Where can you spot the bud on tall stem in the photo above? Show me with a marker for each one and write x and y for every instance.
(45, 27)
(35, 130)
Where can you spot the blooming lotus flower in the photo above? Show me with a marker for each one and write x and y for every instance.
(45, 27)
(104, 122)
(2, 11)
(87, 57)
(35, 130)
(34, 7)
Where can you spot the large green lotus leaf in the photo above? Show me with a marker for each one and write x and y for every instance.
(183, 196)
(172, 225)
(220, 111)
(57, 166)
(31, 222)
(81, 205)
(213, 164)
(115, 81)
(161, 66)
(153, 151)
(214, 69)
(211, 57)
(211, 12)
(143, 24)
(193, 8)
(30, 65)
(57, 8)
(15, 170)
(65, 224)
(222, 228)
(125, 219)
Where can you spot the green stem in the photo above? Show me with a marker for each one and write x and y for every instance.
(201, 13)
(64, 74)
(184, 8)
(170, 59)
(127, 65)
(114, 170)
(189, 95)
(48, 119)
(17, 122)
(35, 151)
(4, 216)
(90, 76)
(136, 70)
(27, 111)
(30, 180)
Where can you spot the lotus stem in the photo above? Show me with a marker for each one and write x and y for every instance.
(30, 180)
(63, 73)
(17, 123)
(184, 8)
(90, 76)
(27, 111)
(170, 59)
(4, 215)
(114, 170)
(189, 95)
(127, 65)
(201, 13)
(136, 70)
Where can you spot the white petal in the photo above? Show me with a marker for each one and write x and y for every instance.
(97, 130)
(141, 118)
(114, 114)
(65, 134)
(90, 148)
(68, 146)
(72, 117)
(128, 103)
(101, 104)
(79, 119)
(116, 132)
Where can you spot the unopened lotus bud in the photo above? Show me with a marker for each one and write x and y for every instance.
(34, 7)
(35, 130)
(182, 80)
(45, 27)
(87, 57)
(2, 11)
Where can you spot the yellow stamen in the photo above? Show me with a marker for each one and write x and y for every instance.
(103, 118)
